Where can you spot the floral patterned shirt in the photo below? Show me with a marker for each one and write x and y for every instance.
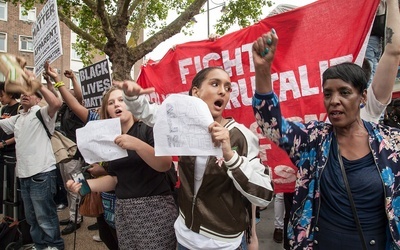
(308, 147)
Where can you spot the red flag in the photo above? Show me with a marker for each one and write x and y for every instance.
(311, 38)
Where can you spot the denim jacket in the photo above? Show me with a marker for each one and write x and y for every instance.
(308, 146)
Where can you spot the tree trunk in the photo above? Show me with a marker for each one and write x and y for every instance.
(121, 62)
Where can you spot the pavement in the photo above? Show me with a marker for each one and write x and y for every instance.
(84, 237)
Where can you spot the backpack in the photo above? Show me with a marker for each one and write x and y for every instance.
(69, 122)
(64, 149)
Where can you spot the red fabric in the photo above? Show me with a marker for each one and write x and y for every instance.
(310, 38)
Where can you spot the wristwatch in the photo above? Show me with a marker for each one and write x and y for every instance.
(4, 143)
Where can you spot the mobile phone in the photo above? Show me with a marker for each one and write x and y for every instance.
(78, 177)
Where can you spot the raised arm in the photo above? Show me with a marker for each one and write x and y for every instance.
(263, 54)
(136, 103)
(53, 102)
(68, 98)
(49, 84)
(385, 75)
(77, 88)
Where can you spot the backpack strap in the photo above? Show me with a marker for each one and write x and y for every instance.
(40, 117)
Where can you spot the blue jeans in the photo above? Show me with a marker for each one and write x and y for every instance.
(373, 54)
(40, 209)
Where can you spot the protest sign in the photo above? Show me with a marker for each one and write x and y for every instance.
(95, 79)
(46, 36)
(181, 128)
(96, 141)
(311, 38)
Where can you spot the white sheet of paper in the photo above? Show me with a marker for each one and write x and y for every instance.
(96, 141)
(181, 128)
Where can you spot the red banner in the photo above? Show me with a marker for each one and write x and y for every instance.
(311, 38)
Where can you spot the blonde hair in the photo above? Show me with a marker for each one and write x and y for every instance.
(104, 103)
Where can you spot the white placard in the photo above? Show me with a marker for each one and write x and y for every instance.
(181, 128)
(46, 36)
(96, 141)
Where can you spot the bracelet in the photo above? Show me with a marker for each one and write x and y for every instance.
(4, 143)
(59, 84)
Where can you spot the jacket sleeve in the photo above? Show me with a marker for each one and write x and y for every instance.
(142, 109)
(248, 173)
(287, 135)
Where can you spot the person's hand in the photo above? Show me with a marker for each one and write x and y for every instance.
(46, 77)
(50, 71)
(131, 88)
(220, 137)
(213, 37)
(30, 74)
(127, 142)
(264, 49)
(73, 186)
(96, 170)
(69, 74)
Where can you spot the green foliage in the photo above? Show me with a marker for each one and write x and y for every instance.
(241, 12)
(98, 31)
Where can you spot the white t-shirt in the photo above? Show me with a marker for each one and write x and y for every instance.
(32, 145)
(195, 241)
(373, 108)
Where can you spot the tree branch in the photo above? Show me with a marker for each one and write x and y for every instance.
(167, 32)
(122, 8)
(137, 26)
(104, 19)
(90, 4)
(83, 34)
(133, 6)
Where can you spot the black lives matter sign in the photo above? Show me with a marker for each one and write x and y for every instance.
(95, 79)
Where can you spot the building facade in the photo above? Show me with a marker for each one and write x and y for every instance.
(16, 38)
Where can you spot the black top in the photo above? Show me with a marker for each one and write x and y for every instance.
(367, 189)
(69, 122)
(135, 177)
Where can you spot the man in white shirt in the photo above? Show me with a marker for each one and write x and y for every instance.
(36, 166)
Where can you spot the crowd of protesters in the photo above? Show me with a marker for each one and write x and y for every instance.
(347, 180)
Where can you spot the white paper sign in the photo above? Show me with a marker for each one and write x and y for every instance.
(46, 36)
(181, 128)
(96, 141)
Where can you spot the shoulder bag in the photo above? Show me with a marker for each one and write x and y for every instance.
(64, 149)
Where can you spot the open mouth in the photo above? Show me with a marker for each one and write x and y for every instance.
(336, 114)
(118, 111)
(218, 103)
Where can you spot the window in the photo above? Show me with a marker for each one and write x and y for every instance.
(3, 42)
(26, 43)
(74, 54)
(3, 11)
(29, 16)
